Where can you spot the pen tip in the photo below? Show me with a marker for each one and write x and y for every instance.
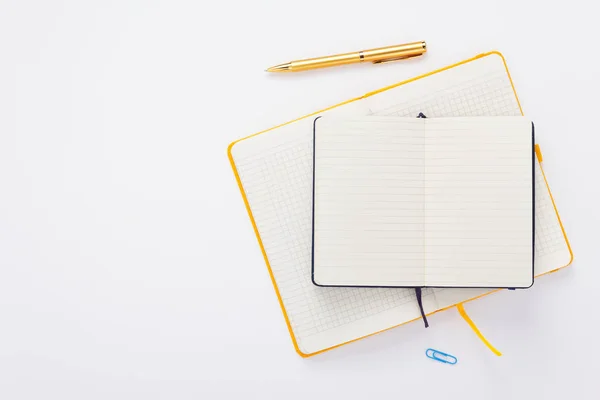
(280, 68)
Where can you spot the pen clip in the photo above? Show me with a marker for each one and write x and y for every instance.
(391, 59)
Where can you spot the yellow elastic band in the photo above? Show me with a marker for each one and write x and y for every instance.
(463, 313)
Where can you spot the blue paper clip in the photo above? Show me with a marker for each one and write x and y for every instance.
(441, 357)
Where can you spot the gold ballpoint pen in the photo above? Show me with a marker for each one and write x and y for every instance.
(380, 55)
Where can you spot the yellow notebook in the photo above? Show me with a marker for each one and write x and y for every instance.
(273, 169)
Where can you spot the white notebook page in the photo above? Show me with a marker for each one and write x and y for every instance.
(369, 202)
(416, 202)
(275, 170)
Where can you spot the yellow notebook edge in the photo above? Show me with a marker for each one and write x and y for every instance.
(540, 159)
(260, 243)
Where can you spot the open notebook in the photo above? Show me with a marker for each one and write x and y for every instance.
(273, 170)
(409, 202)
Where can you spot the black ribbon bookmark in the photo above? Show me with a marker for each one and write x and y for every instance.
(420, 301)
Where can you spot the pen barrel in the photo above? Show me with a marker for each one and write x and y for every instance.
(323, 62)
(393, 53)
(380, 55)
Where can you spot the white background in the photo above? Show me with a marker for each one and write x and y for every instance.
(128, 266)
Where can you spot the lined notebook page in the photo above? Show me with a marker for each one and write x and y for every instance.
(369, 202)
(479, 202)
(275, 170)
(418, 202)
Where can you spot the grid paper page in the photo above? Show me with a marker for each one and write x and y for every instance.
(423, 202)
(275, 173)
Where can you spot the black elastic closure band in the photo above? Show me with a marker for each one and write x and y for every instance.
(420, 301)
